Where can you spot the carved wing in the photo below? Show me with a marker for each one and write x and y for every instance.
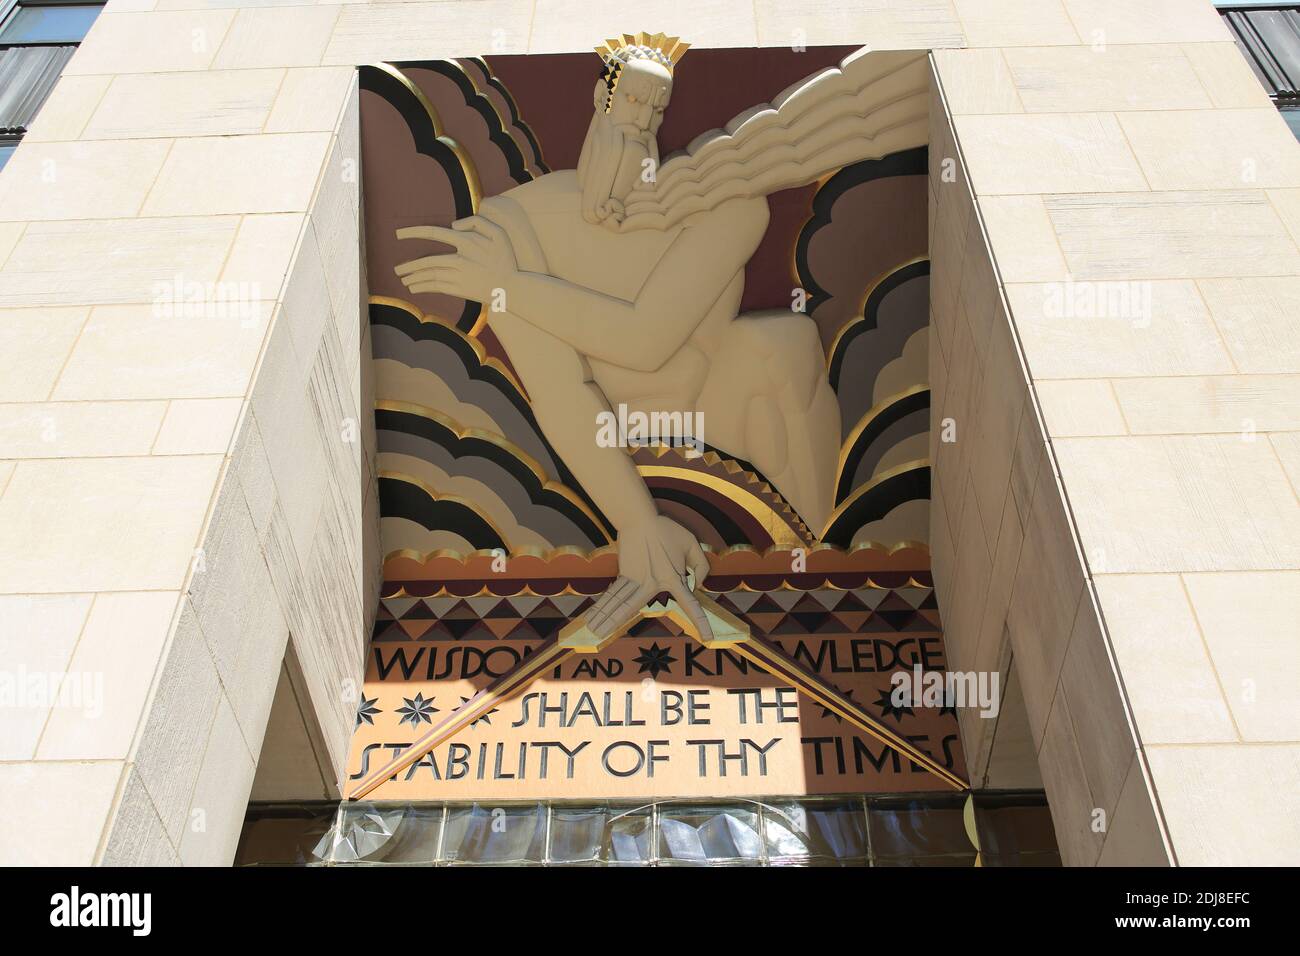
(873, 104)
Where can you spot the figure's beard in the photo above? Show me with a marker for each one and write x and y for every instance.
(610, 165)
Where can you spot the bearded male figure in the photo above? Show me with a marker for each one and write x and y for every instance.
(620, 283)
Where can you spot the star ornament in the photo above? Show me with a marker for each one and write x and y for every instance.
(654, 659)
(827, 712)
(366, 712)
(482, 718)
(889, 709)
(417, 710)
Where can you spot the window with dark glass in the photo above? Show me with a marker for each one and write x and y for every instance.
(1268, 35)
(48, 22)
(7, 146)
(36, 41)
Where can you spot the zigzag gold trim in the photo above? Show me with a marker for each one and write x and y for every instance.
(719, 562)
(671, 49)
(526, 550)
(529, 550)
(826, 546)
(569, 549)
(888, 549)
(714, 460)
(783, 536)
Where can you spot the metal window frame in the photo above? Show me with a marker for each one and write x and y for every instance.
(9, 9)
(1263, 43)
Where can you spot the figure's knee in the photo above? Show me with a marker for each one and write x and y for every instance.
(791, 352)
(765, 436)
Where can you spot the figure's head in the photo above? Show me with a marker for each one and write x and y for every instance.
(637, 95)
(630, 98)
(637, 79)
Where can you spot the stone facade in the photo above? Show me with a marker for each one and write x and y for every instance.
(1117, 520)
(1118, 232)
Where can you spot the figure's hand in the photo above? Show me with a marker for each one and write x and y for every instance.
(652, 557)
(611, 213)
(484, 260)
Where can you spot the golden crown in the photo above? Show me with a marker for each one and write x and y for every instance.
(662, 49)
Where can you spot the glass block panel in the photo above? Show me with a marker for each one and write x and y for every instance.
(630, 837)
(397, 835)
(285, 836)
(818, 830)
(819, 862)
(908, 827)
(578, 834)
(58, 24)
(952, 859)
(919, 830)
(707, 863)
(480, 833)
(703, 834)
(600, 834)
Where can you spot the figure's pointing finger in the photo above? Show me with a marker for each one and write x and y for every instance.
(427, 275)
(435, 288)
(698, 562)
(688, 603)
(432, 233)
(428, 262)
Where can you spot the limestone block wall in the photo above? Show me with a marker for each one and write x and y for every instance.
(1126, 492)
(1125, 530)
(1006, 559)
(189, 480)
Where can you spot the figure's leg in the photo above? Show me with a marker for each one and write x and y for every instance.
(654, 553)
(566, 403)
(813, 445)
(769, 388)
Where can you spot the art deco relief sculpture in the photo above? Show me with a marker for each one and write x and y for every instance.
(619, 283)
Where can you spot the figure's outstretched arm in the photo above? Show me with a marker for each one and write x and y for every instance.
(641, 334)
